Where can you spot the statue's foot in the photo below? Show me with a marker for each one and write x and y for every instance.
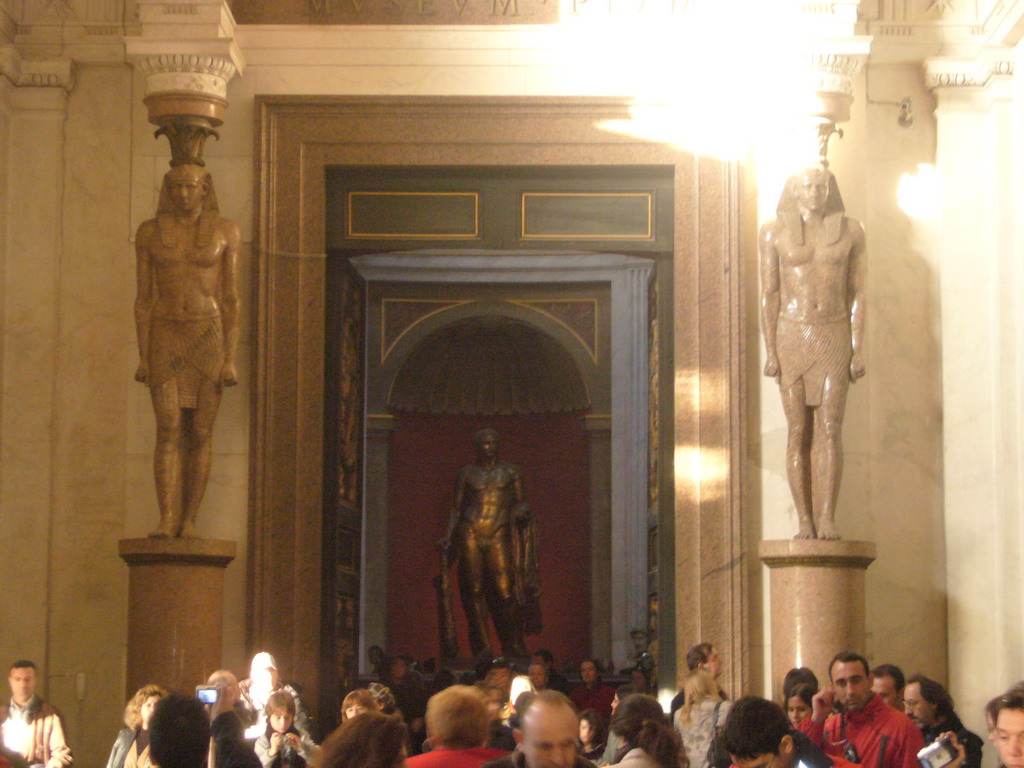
(188, 530)
(806, 530)
(828, 531)
(163, 531)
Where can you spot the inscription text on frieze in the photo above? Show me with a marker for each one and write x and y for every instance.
(498, 12)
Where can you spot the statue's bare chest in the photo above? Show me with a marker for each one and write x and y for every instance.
(496, 478)
(186, 251)
(814, 252)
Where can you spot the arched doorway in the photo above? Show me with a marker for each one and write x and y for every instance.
(489, 371)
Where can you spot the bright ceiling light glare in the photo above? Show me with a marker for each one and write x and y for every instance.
(918, 193)
(716, 86)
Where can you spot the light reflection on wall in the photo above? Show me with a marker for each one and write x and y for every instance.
(918, 194)
(700, 473)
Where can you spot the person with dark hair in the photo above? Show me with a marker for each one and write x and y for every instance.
(32, 727)
(591, 735)
(371, 740)
(612, 747)
(410, 694)
(131, 749)
(866, 730)
(556, 681)
(798, 676)
(647, 740)
(179, 732)
(889, 684)
(283, 745)
(929, 705)
(592, 693)
(546, 736)
(800, 703)
(757, 735)
(700, 656)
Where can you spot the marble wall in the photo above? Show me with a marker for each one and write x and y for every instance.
(81, 170)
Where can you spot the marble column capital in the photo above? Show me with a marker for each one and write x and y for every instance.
(831, 66)
(36, 73)
(188, 54)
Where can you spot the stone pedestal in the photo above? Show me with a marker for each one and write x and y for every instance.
(817, 602)
(175, 610)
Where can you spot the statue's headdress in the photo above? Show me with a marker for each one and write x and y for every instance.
(789, 212)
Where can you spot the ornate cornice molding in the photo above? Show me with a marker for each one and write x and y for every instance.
(36, 73)
(941, 72)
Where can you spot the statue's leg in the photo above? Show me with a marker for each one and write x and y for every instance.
(167, 457)
(471, 588)
(198, 453)
(827, 453)
(798, 419)
(507, 619)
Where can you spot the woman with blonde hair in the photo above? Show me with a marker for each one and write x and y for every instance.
(702, 714)
(131, 749)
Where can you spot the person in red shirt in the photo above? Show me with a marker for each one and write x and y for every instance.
(592, 693)
(458, 724)
(866, 730)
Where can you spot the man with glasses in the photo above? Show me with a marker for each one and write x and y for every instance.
(866, 730)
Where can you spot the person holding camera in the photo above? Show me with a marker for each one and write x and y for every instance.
(283, 745)
(866, 730)
(226, 728)
(930, 706)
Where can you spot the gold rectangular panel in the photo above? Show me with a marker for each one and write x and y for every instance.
(413, 215)
(587, 215)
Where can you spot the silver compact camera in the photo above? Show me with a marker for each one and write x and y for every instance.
(938, 754)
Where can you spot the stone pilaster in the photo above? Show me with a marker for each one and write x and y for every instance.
(979, 113)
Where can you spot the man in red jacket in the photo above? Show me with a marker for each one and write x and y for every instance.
(866, 730)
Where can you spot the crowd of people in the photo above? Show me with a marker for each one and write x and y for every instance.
(501, 716)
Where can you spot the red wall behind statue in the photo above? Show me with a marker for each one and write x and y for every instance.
(427, 451)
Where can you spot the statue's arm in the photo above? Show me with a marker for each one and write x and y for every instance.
(456, 511)
(855, 293)
(229, 301)
(144, 295)
(770, 297)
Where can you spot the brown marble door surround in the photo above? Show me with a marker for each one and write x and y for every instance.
(298, 138)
